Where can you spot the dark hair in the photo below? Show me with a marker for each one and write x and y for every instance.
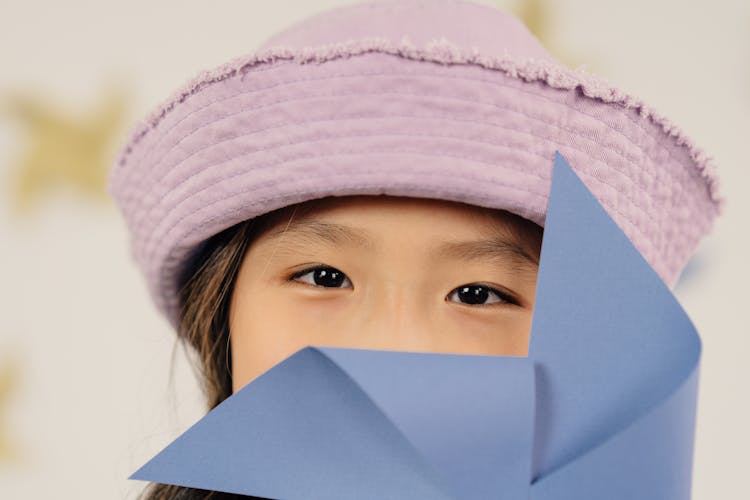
(204, 326)
(205, 295)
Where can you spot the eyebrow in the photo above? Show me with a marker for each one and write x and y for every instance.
(498, 247)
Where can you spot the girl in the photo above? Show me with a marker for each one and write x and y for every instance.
(377, 177)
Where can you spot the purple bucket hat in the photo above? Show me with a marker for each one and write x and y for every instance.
(435, 99)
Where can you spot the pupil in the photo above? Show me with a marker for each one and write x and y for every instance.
(328, 277)
(473, 294)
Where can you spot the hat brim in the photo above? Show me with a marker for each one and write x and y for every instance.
(284, 131)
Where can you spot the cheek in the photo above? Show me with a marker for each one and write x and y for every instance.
(268, 325)
(496, 334)
(261, 330)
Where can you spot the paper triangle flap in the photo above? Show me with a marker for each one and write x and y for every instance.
(610, 340)
(470, 416)
(301, 429)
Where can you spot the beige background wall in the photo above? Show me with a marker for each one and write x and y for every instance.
(85, 393)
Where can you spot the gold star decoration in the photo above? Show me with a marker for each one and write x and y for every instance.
(62, 149)
(8, 378)
(539, 17)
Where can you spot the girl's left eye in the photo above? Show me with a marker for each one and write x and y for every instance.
(478, 295)
(330, 277)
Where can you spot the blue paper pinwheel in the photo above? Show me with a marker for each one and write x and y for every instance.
(602, 408)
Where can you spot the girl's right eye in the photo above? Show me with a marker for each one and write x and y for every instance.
(322, 276)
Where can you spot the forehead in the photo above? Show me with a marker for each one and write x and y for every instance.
(372, 208)
(365, 219)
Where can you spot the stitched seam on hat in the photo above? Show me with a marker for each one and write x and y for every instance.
(145, 214)
(627, 176)
(648, 214)
(646, 172)
(594, 178)
(463, 174)
(526, 114)
(444, 52)
(497, 106)
(164, 133)
(167, 171)
(151, 244)
(281, 124)
(155, 182)
(620, 152)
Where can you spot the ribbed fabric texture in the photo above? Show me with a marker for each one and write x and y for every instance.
(441, 99)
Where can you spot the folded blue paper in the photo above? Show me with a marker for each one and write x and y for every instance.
(603, 406)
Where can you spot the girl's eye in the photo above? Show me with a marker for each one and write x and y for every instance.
(478, 294)
(330, 277)
(324, 276)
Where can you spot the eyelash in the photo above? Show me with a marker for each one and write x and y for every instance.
(504, 297)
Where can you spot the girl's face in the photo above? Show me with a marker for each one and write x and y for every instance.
(382, 272)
